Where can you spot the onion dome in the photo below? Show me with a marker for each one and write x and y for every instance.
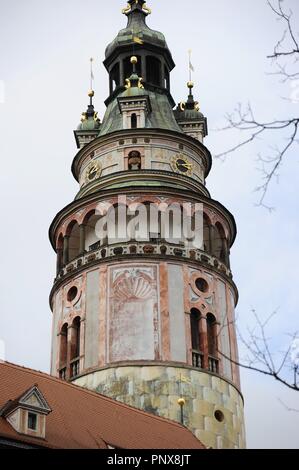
(190, 118)
(90, 120)
(136, 29)
(189, 109)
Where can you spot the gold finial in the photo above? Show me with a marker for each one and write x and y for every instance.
(91, 94)
(181, 401)
(146, 10)
(140, 80)
(128, 8)
(134, 60)
(190, 84)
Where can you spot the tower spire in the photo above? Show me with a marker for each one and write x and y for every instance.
(90, 123)
(191, 68)
(160, 300)
(90, 113)
(189, 117)
(91, 80)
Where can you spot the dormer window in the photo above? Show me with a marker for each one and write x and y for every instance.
(27, 414)
(32, 421)
(135, 108)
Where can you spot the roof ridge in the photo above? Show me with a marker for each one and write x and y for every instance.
(90, 392)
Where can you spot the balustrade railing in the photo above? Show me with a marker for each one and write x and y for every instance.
(101, 252)
(197, 359)
(213, 364)
(62, 373)
(198, 362)
(75, 367)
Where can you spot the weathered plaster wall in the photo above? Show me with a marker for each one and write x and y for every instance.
(157, 155)
(140, 311)
(224, 328)
(92, 319)
(57, 314)
(176, 314)
(132, 313)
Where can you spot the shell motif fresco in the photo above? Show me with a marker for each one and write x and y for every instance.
(132, 286)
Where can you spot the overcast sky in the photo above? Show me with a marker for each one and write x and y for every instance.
(45, 48)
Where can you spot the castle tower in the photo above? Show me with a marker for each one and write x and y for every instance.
(147, 318)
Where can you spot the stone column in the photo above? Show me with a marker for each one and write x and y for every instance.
(69, 350)
(66, 246)
(212, 240)
(143, 67)
(226, 250)
(82, 229)
(162, 84)
(59, 259)
(217, 331)
(121, 73)
(204, 340)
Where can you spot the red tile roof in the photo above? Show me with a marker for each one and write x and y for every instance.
(81, 419)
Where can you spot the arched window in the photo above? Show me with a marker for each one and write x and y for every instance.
(128, 68)
(153, 221)
(167, 79)
(222, 242)
(75, 348)
(117, 224)
(74, 241)
(219, 242)
(212, 335)
(172, 223)
(207, 233)
(59, 249)
(134, 121)
(134, 162)
(94, 238)
(75, 344)
(114, 77)
(195, 331)
(63, 352)
(153, 71)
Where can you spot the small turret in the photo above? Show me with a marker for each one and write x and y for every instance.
(134, 103)
(189, 117)
(90, 125)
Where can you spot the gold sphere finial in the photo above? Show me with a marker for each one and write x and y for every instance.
(134, 60)
(190, 85)
(181, 401)
(91, 94)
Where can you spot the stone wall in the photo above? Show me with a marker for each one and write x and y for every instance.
(156, 389)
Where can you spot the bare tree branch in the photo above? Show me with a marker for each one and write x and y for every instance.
(287, 407)
(261, 359)
(289, 32)
(287, 129)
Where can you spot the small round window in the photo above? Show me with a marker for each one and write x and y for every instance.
(219, 416)
(72, 294)
(202, 285)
